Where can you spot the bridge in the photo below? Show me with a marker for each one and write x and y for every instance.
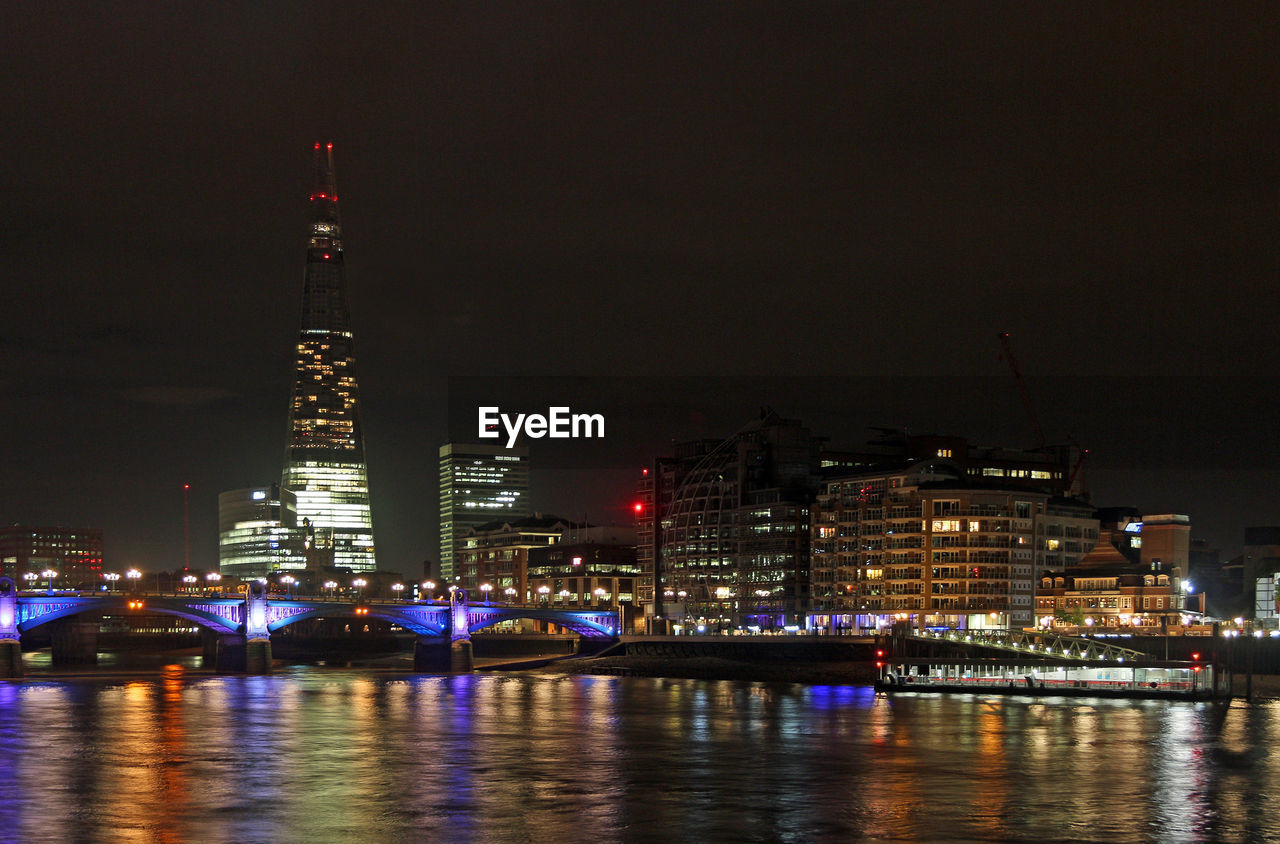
(241, 627)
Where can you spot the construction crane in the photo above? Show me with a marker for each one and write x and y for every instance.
(1022, 388)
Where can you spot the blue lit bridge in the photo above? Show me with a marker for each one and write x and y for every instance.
(243, 625)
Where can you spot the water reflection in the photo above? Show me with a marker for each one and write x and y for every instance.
(320, 754)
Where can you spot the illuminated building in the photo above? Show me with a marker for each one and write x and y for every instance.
(732, 531)
(595, 565)
(479, 484)
(325, 466)
(75, 553)
(924, 541)
(497, 553)
(258, 532)
(1108, 590)
(1058, 470)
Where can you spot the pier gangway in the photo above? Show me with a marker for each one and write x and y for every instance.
(1040, 643)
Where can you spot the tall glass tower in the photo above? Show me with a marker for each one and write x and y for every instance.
(325, 465)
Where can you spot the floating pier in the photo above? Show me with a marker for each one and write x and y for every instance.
(1086, 678)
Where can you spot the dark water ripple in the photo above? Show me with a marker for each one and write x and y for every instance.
(322, 755)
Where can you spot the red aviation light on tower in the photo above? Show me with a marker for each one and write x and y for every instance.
(639, 508)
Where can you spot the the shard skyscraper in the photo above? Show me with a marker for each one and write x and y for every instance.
(325, 465)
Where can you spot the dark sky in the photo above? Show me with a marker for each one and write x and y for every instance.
(633, 189)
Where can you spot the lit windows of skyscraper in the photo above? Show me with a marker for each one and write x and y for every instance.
(325, 467)
(258, 532)
(478, 484)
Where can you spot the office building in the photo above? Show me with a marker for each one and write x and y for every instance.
(325, 465)
(74, 553)
(732, 531)
(258, 532)
(479, 484)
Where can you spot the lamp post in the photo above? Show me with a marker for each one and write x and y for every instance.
(31, 578)
(331, 585)
(564, 596)
(110, 577)
(684, 607)
(359, 583)
(133, 575)
(397, 588)
(545, 592)
(211, 579)
(49, 575)
(430, 587)
(510, 592)
(189, 579)
(486, 588)
(600, 593)
(288, 582)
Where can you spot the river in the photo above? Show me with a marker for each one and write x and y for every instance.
(314, 754)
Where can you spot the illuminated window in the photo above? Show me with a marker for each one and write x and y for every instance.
(945, 525)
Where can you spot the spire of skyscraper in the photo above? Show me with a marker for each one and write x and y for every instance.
(325, 465)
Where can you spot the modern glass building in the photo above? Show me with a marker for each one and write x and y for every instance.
(478, 484)
(258, 532)
(325, 466)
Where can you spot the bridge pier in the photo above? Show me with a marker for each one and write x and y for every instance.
(75, 642)
(10, 659)
(231, 653)
(437, 655)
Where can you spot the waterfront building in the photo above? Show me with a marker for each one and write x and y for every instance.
(595, 565)
(74, 553)
(258, 532)
(479, 484)
(1056, 469)
(325, 466)
(654, 492)
(497, 553)
(1107, 590)
(924, 541)
(732, 543)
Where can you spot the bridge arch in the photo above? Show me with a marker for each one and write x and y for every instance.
(593, 625)
(424, 621)
(221, 616)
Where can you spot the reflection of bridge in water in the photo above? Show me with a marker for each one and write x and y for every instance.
(242, 627)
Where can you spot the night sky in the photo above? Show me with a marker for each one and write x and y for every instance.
(636, 189)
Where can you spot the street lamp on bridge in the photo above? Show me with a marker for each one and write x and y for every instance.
(133, 575)
(397, 588)
(545, 591)
(510, 592)
(49, 575)
(211, 578)
(189, 579)
(486, 588)
(110, 577)
(359, 583)
(429, 586)
(330, 585)
(31, 578)
(600, 593)
(564, 596)
(288, 582)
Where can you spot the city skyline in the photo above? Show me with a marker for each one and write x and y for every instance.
(859, 190)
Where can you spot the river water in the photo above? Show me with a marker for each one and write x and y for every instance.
(314, 754)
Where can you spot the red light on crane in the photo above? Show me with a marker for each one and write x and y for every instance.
(639, 507)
